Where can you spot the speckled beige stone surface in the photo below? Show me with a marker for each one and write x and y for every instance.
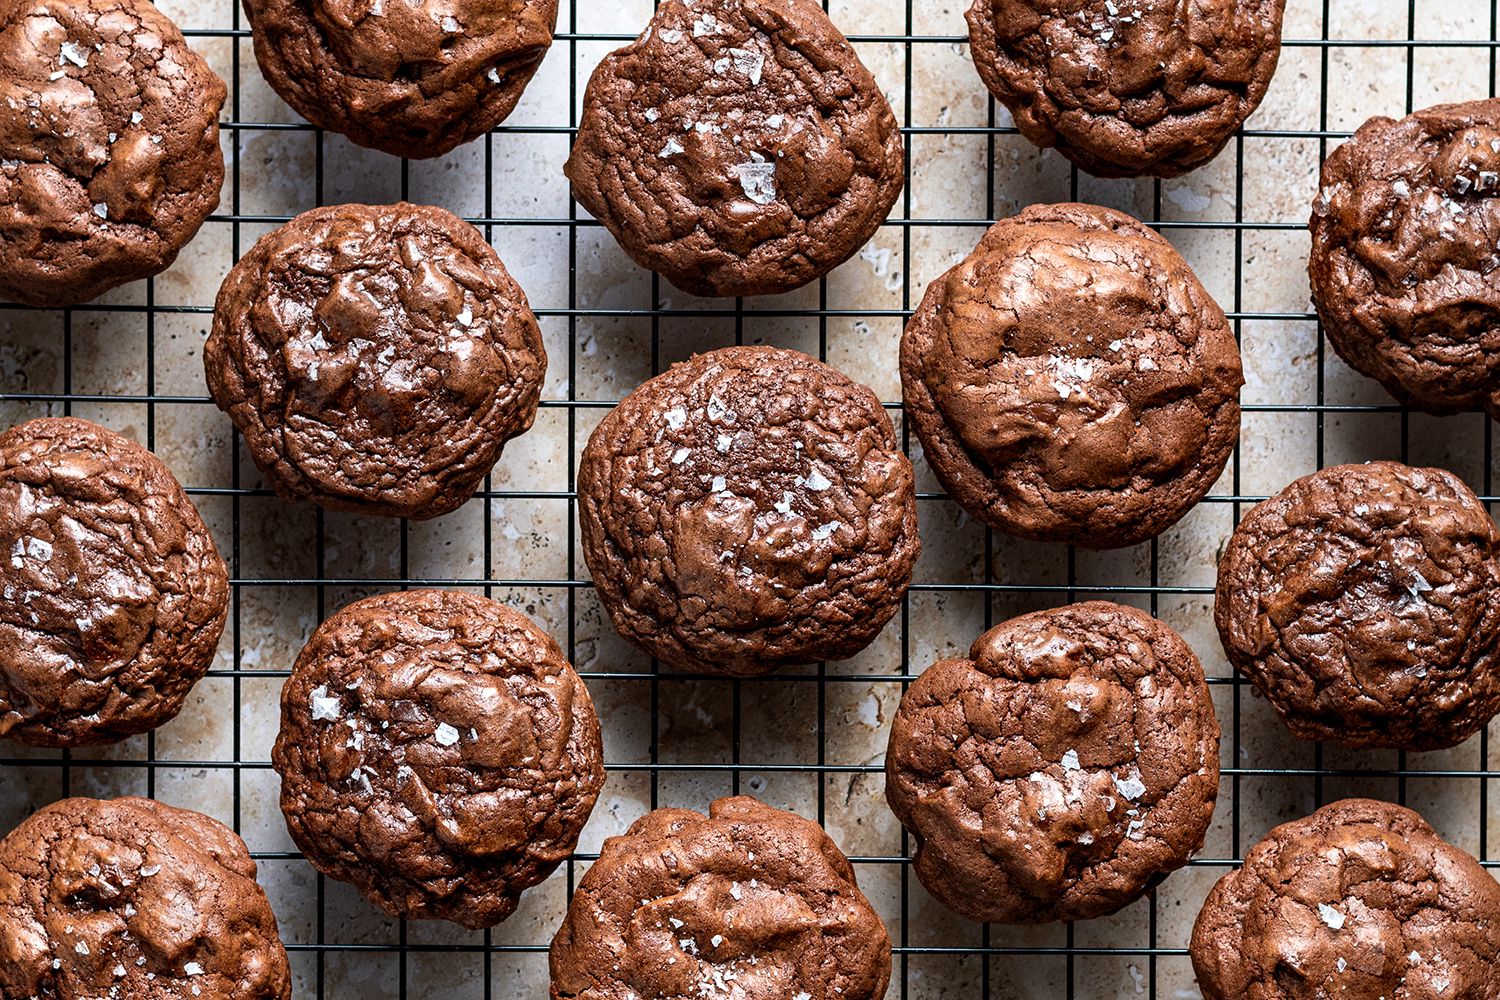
(1238, 220)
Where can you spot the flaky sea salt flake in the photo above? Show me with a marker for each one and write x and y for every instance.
(750, 62)
(325, 708)
(73, 53)
(758, 181)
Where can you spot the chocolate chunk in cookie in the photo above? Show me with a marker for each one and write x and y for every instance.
(747, 902)
(746, 510)
(1072, 381)
(1128, 87)
(1061, 771)
(129, 898)
(1363, 601)
(1361, 900)
(409, 77)
(109, 146)
(376, 358)
(114, 596)
(1404, 270)
(438, 752)
(738, 147)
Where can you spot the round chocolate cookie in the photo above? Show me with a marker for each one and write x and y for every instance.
(746, 510)
(1404, 271)
(747, 902)
(109, 147)
(1128, 87)
(376, 358)
(114, 595)
(1072, 381)
(409, 77)
(1361, 900)
(738, 147)
(438, 752)
(1061, 771)
(129, 898)
(1363, 602)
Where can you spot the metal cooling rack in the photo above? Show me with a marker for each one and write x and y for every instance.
(990, 947)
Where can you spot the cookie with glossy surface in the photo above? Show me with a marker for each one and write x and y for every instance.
(438, 752)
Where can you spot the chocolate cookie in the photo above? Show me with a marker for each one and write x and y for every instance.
(738, 147)
(438, 752)
(1404, 270)
(1072, 381)
(114, 595)
(1061, 771)
(409, 78)
(1363, 601)
(748, 509)
(748, 902)
(128, 898)
(109, 146)
(376, 358)
(1360, 900)
(1128, 87)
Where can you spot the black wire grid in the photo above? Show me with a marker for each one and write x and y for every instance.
(340, 949)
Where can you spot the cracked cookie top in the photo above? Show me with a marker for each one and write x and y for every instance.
(376, 358)
(1361, 900)
(114, 596)
(1404, 267)
(1061, 771)
(408, 77)
(1363, 602)
(129, 898)
(438, 752)
(109, 146)
(747, 902)
(1071, 380)
(1128, 87)
(748, 509)
(738, 147)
